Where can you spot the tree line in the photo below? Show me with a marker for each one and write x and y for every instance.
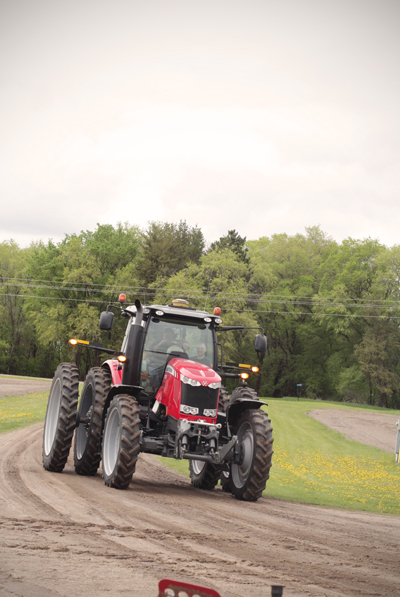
(330, 310)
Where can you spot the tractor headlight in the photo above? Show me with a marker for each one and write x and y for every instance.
(215, 385)
(189, 410)
(209, 412)
(190, 382)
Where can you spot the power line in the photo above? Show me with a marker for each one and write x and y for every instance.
(195, 293)
(53, 298)
(225, 298)
(317, 314)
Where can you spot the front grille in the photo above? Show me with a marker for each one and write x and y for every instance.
(202, 397)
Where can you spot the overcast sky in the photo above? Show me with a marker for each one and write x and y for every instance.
(265, 116)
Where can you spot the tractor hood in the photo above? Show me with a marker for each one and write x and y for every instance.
(187, 384)
(198, 372)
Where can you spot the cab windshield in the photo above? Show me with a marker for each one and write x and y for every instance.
(193, 341)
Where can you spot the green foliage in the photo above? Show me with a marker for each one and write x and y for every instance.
(330, 311)
(288, 276)
(235, 243)
(16, 331)
(167, 248)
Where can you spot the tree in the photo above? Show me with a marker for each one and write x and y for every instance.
(378, 355)
(15, 330)
(235, 243)
(167, 248)
(79, 277)
(286, 274)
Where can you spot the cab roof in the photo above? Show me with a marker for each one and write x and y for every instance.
(184, 312)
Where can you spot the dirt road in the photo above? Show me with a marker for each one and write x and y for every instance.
(13, 386)
(374, 429)
(65, 535)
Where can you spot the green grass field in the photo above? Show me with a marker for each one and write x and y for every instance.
(311, 463)
(20, 411)
(315, 465)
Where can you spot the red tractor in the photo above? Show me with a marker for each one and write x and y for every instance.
(162, 394)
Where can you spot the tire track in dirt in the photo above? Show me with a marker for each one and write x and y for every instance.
(64, 534)
(13, 463)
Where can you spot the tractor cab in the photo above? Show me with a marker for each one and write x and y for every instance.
(164, 332)
(171, 336)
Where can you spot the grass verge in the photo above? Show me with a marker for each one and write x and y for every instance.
(316, 465)
(20, 411)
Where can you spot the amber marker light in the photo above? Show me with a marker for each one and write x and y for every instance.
(217, 311)
(122, 358)
(255, 369)
(122, 298)
(244, 375)
(73, 341)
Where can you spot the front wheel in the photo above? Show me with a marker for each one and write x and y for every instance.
(60, 419)
(250, 474)
(121, 441)
(204, 475)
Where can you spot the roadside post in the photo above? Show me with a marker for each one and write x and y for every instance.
(299, 385)
(398, 441)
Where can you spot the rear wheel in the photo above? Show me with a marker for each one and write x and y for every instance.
(225, 479)
(121, 441)
(204, 475)
(250, 474)
(243, 392)
(223, 399)
(87, 447)
(60, 419)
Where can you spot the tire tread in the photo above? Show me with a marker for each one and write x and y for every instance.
(56, 460)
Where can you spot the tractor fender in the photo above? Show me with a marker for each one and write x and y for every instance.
(115, 370)
(236, 408)
(119, 389)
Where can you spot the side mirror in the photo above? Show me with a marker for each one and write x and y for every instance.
(261, 343)
(106, 320)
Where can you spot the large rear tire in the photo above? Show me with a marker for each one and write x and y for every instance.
(121, 441)
(249, 476)
(60, 418)
(223, 399)
(243, 392)
(204, 475)
(87, 446)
